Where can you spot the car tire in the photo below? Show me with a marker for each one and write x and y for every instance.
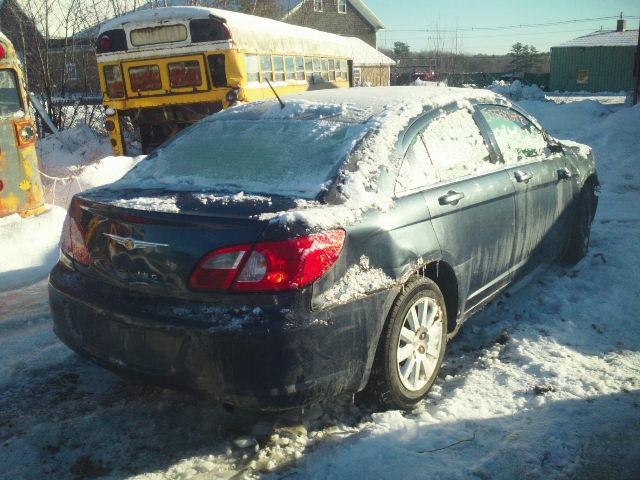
(578, 244)
(423, 352)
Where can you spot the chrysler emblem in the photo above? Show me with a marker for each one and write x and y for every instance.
(131, 243)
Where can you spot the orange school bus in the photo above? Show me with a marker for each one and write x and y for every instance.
(166, 68)
(20, 185)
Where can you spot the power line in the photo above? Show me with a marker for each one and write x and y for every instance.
(508, 27)
(507, 34)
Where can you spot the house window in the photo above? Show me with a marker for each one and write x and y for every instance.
(582, 77)
(317, 5)
(71, 71)
(342, 6)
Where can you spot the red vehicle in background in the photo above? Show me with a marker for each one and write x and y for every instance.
(425, 76)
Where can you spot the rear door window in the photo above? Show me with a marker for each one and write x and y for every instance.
(456, 146)
(10, 101)
(417, 171)
(145, 77)
(518, 139)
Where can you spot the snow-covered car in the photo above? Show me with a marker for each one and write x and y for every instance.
(275, 256)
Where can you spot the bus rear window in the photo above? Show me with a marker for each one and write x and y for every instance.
(185, 74)
(145, 77)
(113, 81)
(208, 30)
(10, 101)
(155, 35)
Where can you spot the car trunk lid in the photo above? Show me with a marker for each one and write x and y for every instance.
(151, 241)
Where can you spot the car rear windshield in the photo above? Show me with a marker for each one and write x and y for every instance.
(287, 157)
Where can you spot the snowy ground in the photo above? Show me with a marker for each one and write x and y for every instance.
(544, 383)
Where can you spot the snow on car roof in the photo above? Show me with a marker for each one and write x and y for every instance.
(380, 99)
(252, 33)
(607, 38)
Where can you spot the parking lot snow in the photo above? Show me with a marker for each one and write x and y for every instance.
(544, 383)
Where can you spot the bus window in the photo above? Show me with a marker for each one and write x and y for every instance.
(308, 66)
(145, 77)
(10, 101)
(266, 68)
(113, 80)
(289, 64)
(344, 69)
(325, 72)
(278, 67)
(251, 65)
(332, 70)
(299, 68)
(155, 35)
(207, 30)
(317, 68)
(217, 70)
(338, 71)
(185, 74)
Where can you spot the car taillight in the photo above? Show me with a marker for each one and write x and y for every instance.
(269, 266)
(72, 243)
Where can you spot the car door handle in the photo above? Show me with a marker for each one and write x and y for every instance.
(522, 176)
(451, 198)
(564, 174)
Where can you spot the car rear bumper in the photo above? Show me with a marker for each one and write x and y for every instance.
(269, 358)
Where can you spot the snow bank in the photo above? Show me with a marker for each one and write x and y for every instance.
(76, 159)
(29, 247)
(64, 153)
(516, 90)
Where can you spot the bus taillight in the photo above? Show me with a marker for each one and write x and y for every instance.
(25, 133)
(113, 81)
(3, 51)
(105, 43)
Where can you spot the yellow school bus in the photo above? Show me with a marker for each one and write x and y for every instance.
(20, 185)
(163, 69)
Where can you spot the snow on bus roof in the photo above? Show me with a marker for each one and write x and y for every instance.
(252, 33)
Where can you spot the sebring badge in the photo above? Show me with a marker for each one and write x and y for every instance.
(131, 243)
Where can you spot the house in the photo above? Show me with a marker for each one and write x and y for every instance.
(22, 32)
(350, 18)
(54, 66)
(371, 67)
(601, 61)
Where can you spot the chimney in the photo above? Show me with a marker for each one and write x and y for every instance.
(621, 25)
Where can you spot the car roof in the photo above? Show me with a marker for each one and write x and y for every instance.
(362, 104)
(380, 99)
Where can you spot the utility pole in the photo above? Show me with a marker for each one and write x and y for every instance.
(636, 71)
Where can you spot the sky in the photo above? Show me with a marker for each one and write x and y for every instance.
(417, 22)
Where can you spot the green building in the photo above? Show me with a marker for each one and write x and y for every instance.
(601, 61)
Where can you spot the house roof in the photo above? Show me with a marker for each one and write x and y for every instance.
(291, 6)
(604, 38)
(365, 55)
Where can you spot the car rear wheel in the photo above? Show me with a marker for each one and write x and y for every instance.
(411, 347)
(578, 245)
